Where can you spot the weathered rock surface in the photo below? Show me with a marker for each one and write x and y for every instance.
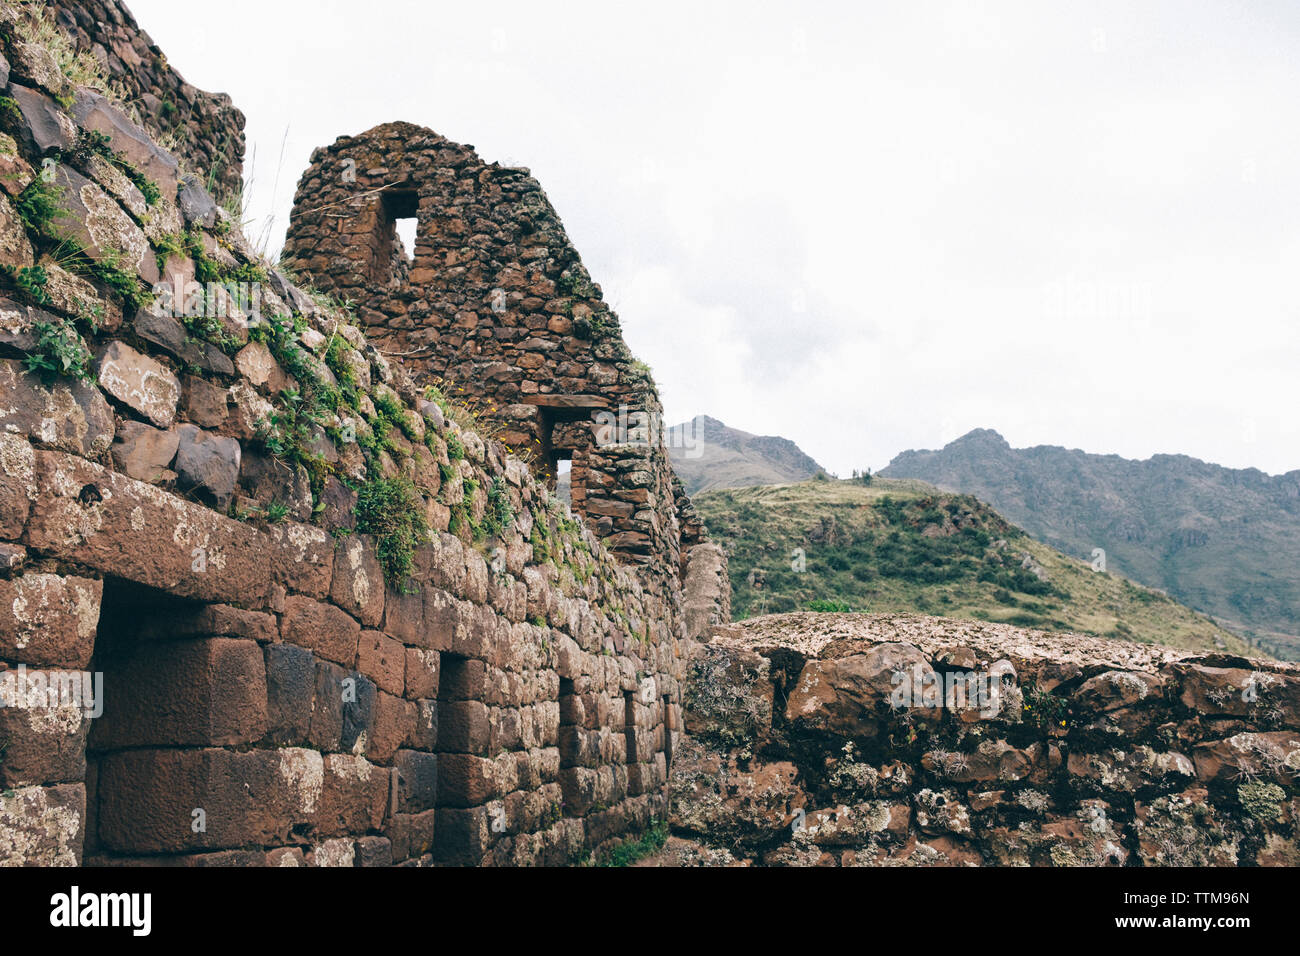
(140, 382)
(1014, 748)
(68, 415)
(144, 452)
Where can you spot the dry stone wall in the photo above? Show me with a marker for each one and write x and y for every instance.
(262, 600)
(496, 305)
(873, 740)
(204, 130)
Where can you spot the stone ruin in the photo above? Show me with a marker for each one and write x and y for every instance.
(265, 599)
(204, 130)
(272, 593)
(495, 300)
(901, 740)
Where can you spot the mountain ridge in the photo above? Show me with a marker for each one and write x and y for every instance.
(1224, 541)
(708, 454)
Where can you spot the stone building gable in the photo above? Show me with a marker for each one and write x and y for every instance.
(496, 306)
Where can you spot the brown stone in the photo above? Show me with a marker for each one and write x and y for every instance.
(420, 673)
(144, 452)
(321, 628)
(98, 518)
(412, 834)
(210, 620)
(393, 726)
(47, 620)
(464, 726)
(307, 554)
(185, 693)
(849, 693)
(148, 799)
(358, 583)
(354, 796)
(44, 723)
(383, 660)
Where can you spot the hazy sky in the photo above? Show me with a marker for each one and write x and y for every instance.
(863, 226)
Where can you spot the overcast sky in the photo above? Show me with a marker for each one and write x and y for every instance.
(866, 227)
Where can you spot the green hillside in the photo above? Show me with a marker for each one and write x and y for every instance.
(903, 545)
(1224, 541)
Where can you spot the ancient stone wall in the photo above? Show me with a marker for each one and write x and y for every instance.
(262, 601)
(874, 740)
(204, 130)
(495, 301)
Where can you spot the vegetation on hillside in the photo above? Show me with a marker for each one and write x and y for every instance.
(902, 545)
(1224, 541)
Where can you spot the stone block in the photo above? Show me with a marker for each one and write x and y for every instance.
(324, 629)
(48, 620)
(207, 692)
(89, 515)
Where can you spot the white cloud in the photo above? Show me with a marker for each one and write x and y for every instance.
(842, 222)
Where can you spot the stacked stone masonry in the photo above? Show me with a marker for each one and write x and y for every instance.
(206, 129)
(179, 545)
(803, 749)
(496, 304)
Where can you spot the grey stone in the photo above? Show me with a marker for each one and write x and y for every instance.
(207, 464)
(44, 125)
(15, 250)
(290, 293)
(196, 203)
(167, 333)
(99, 225)
(95, 112)
(36, 65)
(71, 416)
(205, 404)
(16, 323)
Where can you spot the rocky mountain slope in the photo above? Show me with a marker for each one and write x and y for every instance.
(1221, 540)
(902, 545)
(708, 454)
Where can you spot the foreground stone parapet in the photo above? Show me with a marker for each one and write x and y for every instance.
(888, 740)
